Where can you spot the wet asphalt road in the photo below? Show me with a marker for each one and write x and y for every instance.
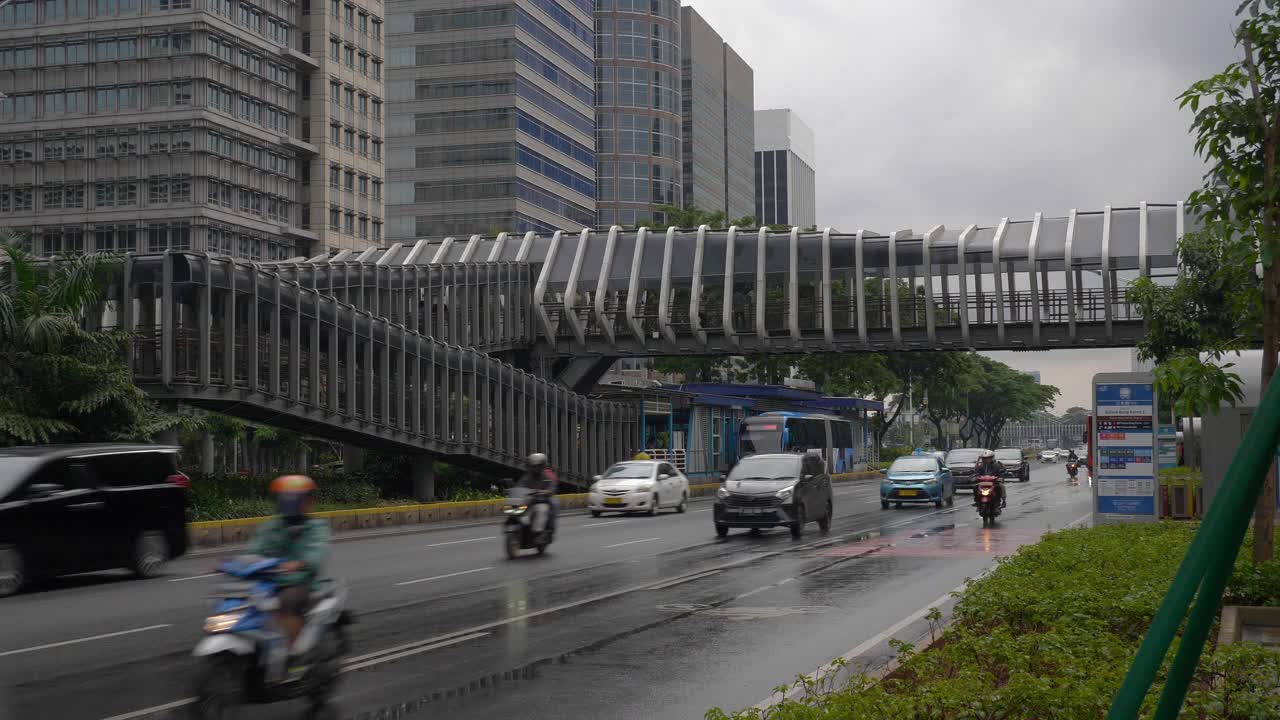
(631, 617)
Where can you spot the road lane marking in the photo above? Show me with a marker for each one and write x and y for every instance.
(196, 577)
(349, 665)
(695, 512)
(442, 577)
(606, 522)
(685, 579)
(353, 666)
(153, 710)
(629, 542)
(77, 641)
(458, 542)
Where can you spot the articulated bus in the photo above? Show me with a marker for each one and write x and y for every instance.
(773, 432)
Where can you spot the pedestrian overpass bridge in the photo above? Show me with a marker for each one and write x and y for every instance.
(419, 346)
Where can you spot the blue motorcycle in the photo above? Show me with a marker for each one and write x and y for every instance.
(242, 657)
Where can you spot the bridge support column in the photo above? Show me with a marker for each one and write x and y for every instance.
(581, 374)
(206, 453)
(352, 457)
(423, 475)
(170, 436)
(303, 459)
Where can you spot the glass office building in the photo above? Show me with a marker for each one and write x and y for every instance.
(717, 122)
(491, 117)
(637, 112)
(146, 125)
(786, 192)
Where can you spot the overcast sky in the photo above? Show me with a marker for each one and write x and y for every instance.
(964, 111)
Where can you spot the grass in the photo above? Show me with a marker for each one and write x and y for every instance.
(1049, 635)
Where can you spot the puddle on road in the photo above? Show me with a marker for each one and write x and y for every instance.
(941, 542)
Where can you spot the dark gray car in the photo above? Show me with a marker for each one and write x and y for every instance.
(776, 489)
(962, 462)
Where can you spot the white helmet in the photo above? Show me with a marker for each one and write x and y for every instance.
(537, 460)
(987, 454)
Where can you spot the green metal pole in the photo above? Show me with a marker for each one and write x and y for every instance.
(1221, 534)
(1249, 469)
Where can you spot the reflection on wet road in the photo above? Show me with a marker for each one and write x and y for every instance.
(624, 618)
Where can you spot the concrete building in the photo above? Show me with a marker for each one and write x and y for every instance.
(174, 124)
(717, 121)
(346, 116)
(637, 110)
(784, 170)
(492, 117)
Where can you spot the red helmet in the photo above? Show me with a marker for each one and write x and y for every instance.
(300, 484)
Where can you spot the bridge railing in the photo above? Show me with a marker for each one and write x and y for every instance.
(232, 337)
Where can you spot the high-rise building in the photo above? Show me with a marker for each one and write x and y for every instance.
(346, 116)
(135, 125)
(717, 122)
(492, 117)
(784, 175)
(637, 109)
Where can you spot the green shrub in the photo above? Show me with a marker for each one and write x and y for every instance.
(889, 454)
(231, 496)
(1181, 475)
(1051, 632)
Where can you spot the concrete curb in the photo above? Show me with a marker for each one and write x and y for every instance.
(408, 518)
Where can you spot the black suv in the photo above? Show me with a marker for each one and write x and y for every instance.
(78, 508)
(1014, 463)
(778, 489)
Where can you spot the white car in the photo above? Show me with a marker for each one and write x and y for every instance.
(1049, 456)
(639, 486)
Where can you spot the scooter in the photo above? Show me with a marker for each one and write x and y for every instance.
(1073, 468)
(517, 528)
(242, 659)
(987, 499)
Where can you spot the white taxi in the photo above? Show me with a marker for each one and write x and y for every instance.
(639, 486)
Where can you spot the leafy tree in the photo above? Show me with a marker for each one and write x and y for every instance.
(1003, 395)
(944, 392)
(1075, 415)
(693, 368)
(1237, 130)
(58, 381)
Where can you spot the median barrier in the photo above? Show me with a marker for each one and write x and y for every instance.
(214, 533)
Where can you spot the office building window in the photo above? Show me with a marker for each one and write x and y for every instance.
(334, 130)
(377, 149)
(377, 190)
(348, 181)
(364, 145)
(335, 48)
(349, 136)
(335, 217)
(335, 174)
(364, 184)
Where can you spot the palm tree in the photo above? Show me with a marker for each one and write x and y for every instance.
(58, 381)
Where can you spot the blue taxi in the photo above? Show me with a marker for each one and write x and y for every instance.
(917, 479)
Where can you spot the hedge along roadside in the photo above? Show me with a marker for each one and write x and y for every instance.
(213, 533)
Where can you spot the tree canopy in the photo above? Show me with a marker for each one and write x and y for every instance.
(1219, 303)
(59, 382)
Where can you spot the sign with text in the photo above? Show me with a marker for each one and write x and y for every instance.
(1125, 447)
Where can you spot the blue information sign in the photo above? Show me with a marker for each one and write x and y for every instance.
(1125, 431)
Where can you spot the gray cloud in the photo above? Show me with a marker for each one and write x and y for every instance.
(960, 111)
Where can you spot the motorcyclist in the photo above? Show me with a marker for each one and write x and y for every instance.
(987, 465)
(302, 543)
(539, 477)
(1071, 456)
